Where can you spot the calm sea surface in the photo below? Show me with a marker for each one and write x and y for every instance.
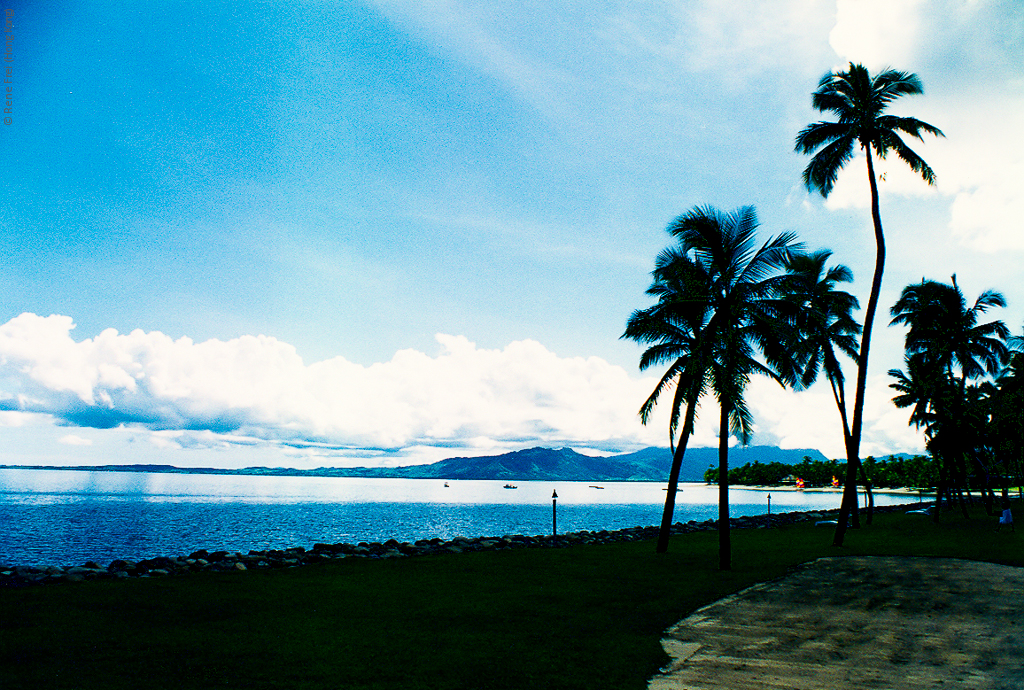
(64, 517)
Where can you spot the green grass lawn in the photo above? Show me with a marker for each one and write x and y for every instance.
(587, 617)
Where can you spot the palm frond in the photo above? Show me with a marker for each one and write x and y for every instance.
(858, 101)
(890, 84)
(890, 141)
(817, 134)
(907, 125)
(823, 170)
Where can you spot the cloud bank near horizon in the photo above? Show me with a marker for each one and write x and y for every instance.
(257, 391)
(258, 388)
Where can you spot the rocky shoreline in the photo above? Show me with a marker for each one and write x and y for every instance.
(203, 560)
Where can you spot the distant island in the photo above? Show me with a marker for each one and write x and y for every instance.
(533, 464)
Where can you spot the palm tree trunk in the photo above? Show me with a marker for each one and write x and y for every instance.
(867, 489)
(839, 395)
(940, 490)
(964, 494)
(724, 538)
(962, 502)
(849, 503)
(1020, 475)
(673, 479)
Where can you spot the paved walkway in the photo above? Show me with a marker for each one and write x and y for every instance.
(859, 623)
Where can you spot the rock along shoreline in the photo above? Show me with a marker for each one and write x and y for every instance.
(229, 561)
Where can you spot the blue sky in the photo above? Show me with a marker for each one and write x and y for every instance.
(389, 232)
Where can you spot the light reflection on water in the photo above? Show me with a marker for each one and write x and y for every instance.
(66, 517)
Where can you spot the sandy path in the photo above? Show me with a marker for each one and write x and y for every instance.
(858, 623)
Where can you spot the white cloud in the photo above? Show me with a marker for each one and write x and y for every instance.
(73, 440)
(13, 420)
(257, 389)
(726, 36)
(877, 33)
(894, 179)
(968, 56)
(982, 165)
(810, 419)
(256, 392)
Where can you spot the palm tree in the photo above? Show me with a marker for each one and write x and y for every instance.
(914, 388)
(925, 388)
(822, 317)
(979, 440)
(946, 347)
(945, 330)
(740, 287)
(858, 101)
(673, 328)
(1008, 415)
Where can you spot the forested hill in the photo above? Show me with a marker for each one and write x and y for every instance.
(563, 464)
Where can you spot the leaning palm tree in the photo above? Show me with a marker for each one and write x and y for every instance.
(859, 101)
(743, 315)
(673, 329)
(822, 317)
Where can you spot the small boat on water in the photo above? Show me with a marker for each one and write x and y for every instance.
(446, 485)
(592, 486)
(510, 486)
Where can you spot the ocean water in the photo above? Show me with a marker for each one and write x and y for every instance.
(66, 517)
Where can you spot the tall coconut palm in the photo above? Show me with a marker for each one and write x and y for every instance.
(673, 329)
(859, 101)
(743, 315)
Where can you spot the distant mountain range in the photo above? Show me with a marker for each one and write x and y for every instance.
(563, 464)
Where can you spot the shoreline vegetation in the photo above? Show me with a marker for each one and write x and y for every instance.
(915, 473)
(591, 616)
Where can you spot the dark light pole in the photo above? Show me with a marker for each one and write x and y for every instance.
(554, 513)
(769, 510)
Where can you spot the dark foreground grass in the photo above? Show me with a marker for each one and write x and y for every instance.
(587, 617)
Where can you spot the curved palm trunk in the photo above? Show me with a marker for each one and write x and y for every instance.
(839, 395)
(673, 479)
(724, 538)
(849, 503)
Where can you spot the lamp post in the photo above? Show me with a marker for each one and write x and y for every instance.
(554, 513)
(769, 510)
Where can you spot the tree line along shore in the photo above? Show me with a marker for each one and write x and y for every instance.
(894, 472)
